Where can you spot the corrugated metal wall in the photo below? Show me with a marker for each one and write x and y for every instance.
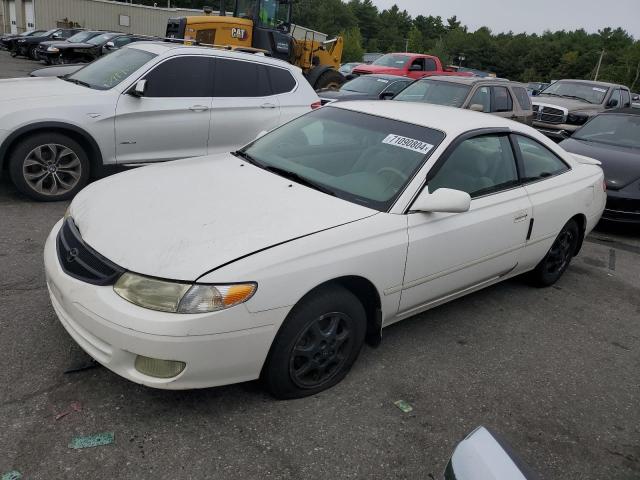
(107, 15)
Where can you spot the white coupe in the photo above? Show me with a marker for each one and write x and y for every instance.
(279, 260)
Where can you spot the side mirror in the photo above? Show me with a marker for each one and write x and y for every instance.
(110, 45)
(482, 456)
(635, 98)
(387, 95)
(139, 88)
(612, 103)
(445, 200)
(415, 68)
(535, 93)
(476, 107)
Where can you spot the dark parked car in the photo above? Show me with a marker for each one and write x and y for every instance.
(95, 47)
(27, 46)
(613, 138)
(7, 41)
(50, 51)
(57, 70)
(366, 87)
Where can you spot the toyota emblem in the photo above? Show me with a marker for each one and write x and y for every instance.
(72, 254)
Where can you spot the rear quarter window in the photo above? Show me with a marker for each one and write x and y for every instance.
(281, 80)
(523, 98)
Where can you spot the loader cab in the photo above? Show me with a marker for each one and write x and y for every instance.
(271, 25)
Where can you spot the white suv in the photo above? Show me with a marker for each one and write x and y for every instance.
(147, 102)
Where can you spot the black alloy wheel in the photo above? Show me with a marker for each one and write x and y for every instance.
(559, 256)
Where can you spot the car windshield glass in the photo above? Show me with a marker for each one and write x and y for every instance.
(80, 37)
(101, 38)
(366, 84)
(392, 60)
(612, 129)
(48, 32)
(438, 93)
(32, 33)
(577, 90)
(358, 157)
(110, 70)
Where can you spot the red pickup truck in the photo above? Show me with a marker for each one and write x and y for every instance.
(411, 65)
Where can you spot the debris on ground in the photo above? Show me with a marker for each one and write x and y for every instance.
(12, 475)
(404, 406)
(97, 440)
(73, 407)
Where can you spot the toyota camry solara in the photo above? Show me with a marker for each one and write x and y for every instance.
(280, 260)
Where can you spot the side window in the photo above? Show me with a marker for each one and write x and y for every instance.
(626, 99)
(237, 78)
(502, 101)
(615, 96)
(396, 87)
(417, 65)
(523, 98)
(482, 97)
(206, 36)
(180, 77)
(538, 161)
(281, 80)
(431, 65)
(478, 166)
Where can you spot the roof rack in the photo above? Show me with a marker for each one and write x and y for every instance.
(194, 43)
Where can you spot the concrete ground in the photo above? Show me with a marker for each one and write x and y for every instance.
(556, 371)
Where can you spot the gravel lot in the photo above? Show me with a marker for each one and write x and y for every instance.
(556, 371)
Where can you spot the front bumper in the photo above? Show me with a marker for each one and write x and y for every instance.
(622, 207)
(114, 331)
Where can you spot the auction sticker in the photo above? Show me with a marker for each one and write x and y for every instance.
(408, 143)
(599, 89)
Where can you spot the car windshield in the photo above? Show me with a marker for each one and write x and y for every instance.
(100, 39)
(48, 32)
(365, 84)
(32, 33)
(110, 70)
(392, 60)
(358, 157)
(577, 90)
(612, 129)
(438, 93)
(80, 37)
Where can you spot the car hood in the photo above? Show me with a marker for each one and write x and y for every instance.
(569, 103)
(30, 88)
(182, 219)
(621, 165)
(364, 69)
(345, 95)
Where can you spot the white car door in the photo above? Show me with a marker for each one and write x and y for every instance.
(451, 253)
(171, 119)
(243, 104)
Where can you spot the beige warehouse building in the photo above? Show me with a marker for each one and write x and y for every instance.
(16, 16)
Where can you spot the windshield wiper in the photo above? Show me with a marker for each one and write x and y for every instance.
(300, 179)
(245, 156)
(578, 98)
(77, 82)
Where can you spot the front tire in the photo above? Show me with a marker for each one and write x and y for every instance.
(49, 167)
(317, 344)
(331, 80)
(559, 256)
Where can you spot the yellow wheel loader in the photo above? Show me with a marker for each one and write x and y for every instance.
(265, 25)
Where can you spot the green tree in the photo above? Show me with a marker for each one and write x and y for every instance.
(353, 51)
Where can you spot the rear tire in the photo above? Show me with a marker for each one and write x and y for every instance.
(33, 53)
(317, 344)
(559, 256)
(49, 167)
(331, 79)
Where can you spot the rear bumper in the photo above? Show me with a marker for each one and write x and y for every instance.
(108, 328)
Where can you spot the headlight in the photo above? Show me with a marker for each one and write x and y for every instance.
(53, 49)
(178, 297)
(577, 118)
(21, 41)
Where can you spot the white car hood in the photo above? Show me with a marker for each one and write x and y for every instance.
(38, 87)
(181, 219)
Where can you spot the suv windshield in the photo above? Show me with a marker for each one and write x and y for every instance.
(80, 37)
(365, 84)
(110, 70)
(436, 92)
(577, 90)
(358, 157)
(392, 60)
(612, 129)
(105, 37)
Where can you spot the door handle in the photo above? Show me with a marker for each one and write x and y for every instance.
(268, 105)
(199, 108)
(520, 217)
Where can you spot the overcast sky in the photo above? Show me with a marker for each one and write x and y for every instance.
(531, 16)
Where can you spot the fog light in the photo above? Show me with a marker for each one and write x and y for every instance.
(154, 367)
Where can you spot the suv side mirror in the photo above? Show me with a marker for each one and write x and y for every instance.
(139, 88)
(445, 200)
(476, 107)
(612, 103)
(535, 93)
(387, 95)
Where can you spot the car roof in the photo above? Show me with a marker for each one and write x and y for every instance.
(448, 119)
(472, 80)
(160, 47)
(590, 82)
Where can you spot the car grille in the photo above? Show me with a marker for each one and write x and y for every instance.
(548, 114)
(626, 205)
(80, 261)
